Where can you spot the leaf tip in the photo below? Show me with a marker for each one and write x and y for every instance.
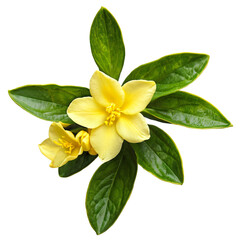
(207, 57)
(228, 123)
(97, 232)
(103, 9)
(10, 92)
(180, 180)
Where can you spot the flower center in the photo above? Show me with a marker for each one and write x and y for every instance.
(114, 113)
(65, 144)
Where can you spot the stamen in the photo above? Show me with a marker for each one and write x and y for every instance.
(114, 113)
(65, 144)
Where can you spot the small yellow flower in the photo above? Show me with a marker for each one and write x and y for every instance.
(113, 113)
(62, 146)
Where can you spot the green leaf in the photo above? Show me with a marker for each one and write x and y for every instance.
(107, 44)
(75, 128)
(187, 110)
(110, 188)
(76, 165)
(159, 155)
(48, 102)
(145, 114)
(171, 72)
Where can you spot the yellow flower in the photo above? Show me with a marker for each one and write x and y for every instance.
(62, 146)
(113, 113)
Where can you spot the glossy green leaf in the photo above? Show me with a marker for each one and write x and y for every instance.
(48, 102)
(159, 155)
(76, 165)
(187, 110)
(172, 72)
(110, 188)
(147, 115)
(107, 44)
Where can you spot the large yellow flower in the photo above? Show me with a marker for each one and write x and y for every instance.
(62, 146)
(113, 113)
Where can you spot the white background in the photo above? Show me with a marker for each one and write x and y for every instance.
(47, 41)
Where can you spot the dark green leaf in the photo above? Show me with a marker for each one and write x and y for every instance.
(159, 155)
(48, 102)
(75, 128)
(110, 188)
(107, 44)
(187, 110)
(172, 72)
(76, 165)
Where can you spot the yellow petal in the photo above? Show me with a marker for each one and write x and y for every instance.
(80, 151)
(138, 93)
(64, 124)
(61, 158)
(87, 112)
(106, 90)
(48, 148)
(133, 128)
(106, 142)
(56, 153)
(92, 151)
(56, 131)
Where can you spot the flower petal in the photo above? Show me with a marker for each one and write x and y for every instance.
(48, 148)
(92, 151)
(106, 90)
(56, 154)
(87, 112)
(64, 124)
(57, 131)
(138, 93)
(133, 128)
(106, 142)
(62, 158)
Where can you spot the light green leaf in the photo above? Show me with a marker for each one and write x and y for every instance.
(159, 155)
(171, 72)
(110, 188)
(187, 110)
(76, 165)
(48, 102)
(107, 44)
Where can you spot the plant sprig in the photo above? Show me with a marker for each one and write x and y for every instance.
(112, 183)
